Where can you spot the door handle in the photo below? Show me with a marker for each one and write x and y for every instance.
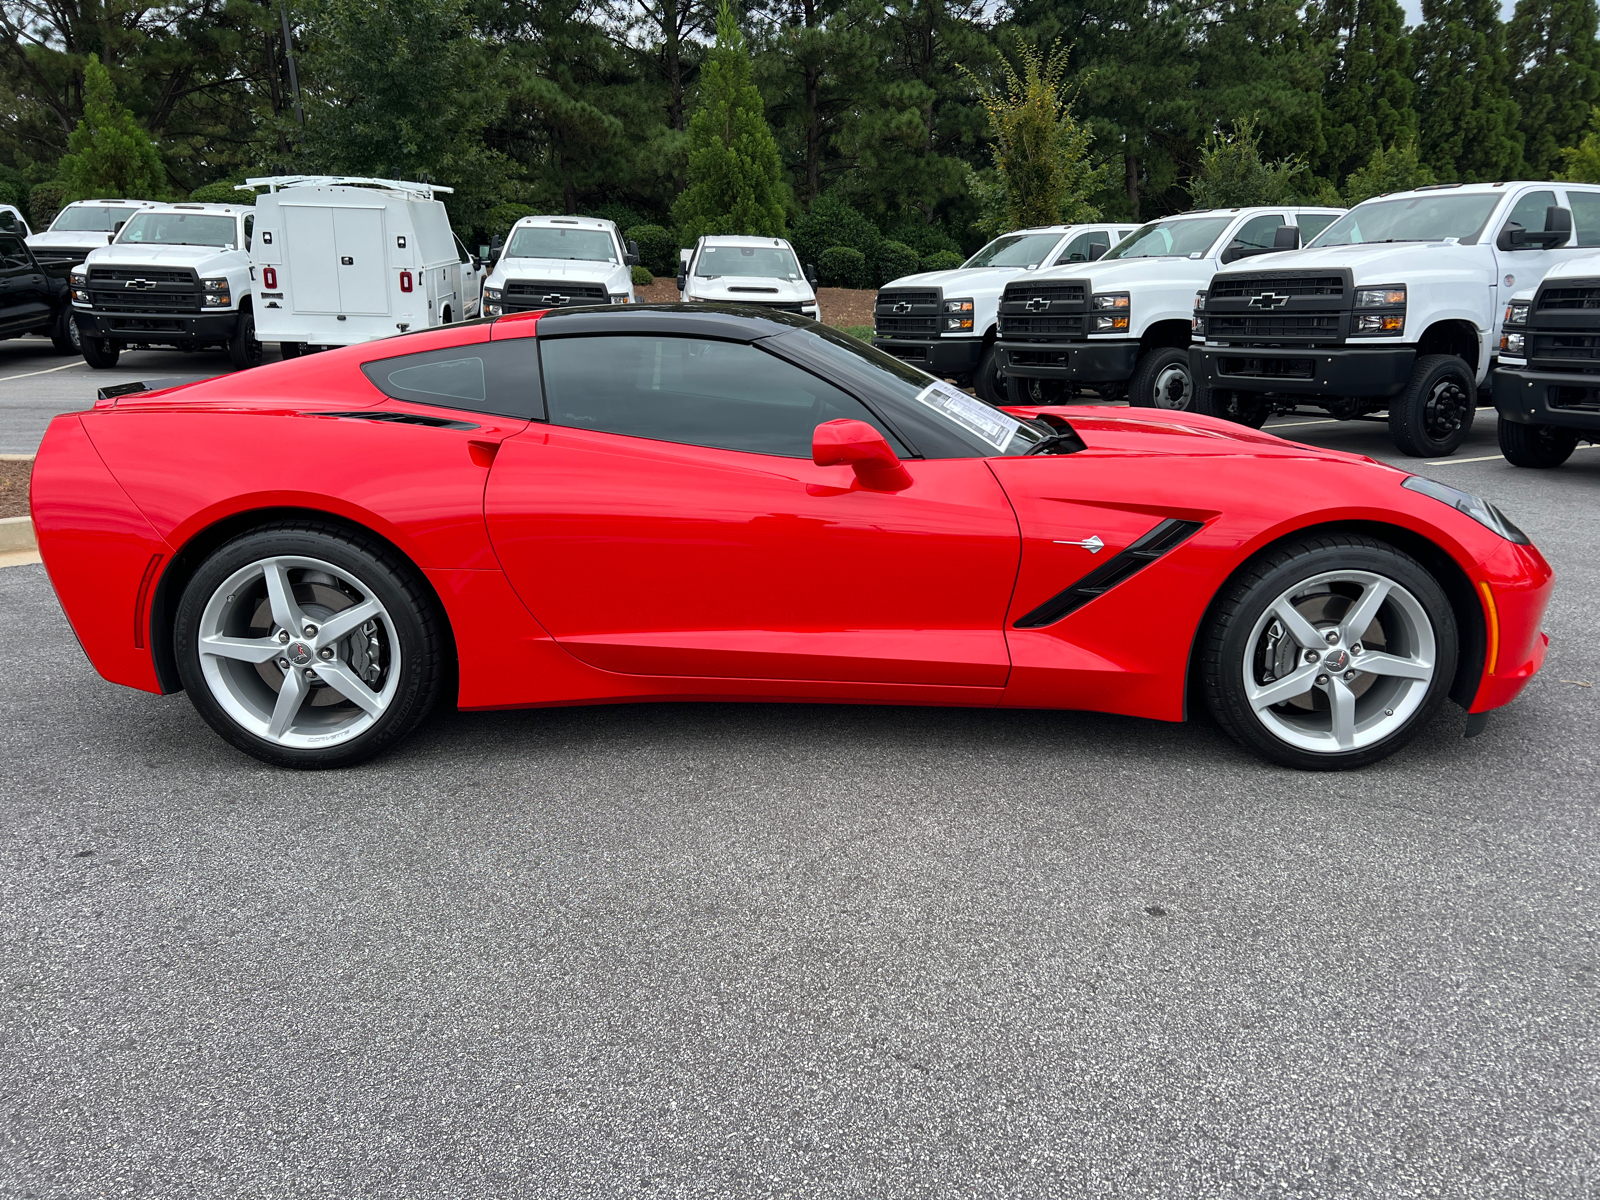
(347, 261)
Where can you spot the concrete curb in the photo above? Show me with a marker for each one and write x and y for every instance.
(16, 533)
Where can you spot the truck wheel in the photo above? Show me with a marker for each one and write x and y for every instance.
(1433, 416)
(1536, 445)
(1035, 391)
(1163, 380)
(1242, 408)
(65, 337)
(101, 353)
(243, 349)
(291, 349)
(987, 380)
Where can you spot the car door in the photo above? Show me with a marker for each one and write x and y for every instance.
(667, 519)
(24, 291)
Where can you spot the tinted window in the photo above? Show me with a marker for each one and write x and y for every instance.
(1585, 216)
(1257, 233)
(1529, 211)
(249, 228)
(1077, 250)
(13, 253)
(491, 377)
(1312, 224)
(694, 391)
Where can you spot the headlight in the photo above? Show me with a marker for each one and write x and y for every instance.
(957, 316)
(1388, 296)
(1479, 509)
(1111, 312)
(491, 310)
(80, 277)
(1199, 301)
(217, 295)
(491, 293)
(1198, 323)
(82, 297)
(1380, 323)
(1517, 312)
(1390, 323)
(619, 299)
(1512, 343)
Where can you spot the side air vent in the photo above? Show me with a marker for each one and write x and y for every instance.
(397, 418)
(1107, 575)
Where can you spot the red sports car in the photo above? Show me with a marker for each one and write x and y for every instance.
(689, 502)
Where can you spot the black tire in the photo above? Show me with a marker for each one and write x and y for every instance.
(1242, 408)
(1163, 380)
(418, 626)
(1038, 392)
(291, 349)
(64, 335)
(1225, 642)
(244, 351)
(1536, 445)
(1433, 416)
(101, 353)
(987, 381)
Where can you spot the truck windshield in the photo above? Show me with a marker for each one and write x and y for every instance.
(1427, 218)
(1015, 250)
(747, 262)
(552, 241)
(89, 218)
(180, 229)
(1188, 237)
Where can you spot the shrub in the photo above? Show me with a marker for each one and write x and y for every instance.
(221, 192)
(45, 200)
(832, 222)
(945, 260)
(895, 260)
(658, 248)
(859, 332)
(642, 277)
(843, 266)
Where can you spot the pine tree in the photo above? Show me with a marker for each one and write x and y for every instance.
(1557, 60)
(1581, 163)
(1469, 122)
(108, 154)
(1233, 174)
(1395, 169)
(1369, 98)
(736, 182)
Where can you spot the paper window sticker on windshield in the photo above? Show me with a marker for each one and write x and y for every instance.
(990, 425)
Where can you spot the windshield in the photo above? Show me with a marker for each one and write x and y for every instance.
(179, 229)
(1428, 218)
(1189, 237)
(92, 218)
(747, 262)
(554, 241)
(1015, 250)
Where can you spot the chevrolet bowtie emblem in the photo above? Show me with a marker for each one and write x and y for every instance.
(139, 284)
(902, 308)
(1268, 300)
(1038, 304)
(555, 298)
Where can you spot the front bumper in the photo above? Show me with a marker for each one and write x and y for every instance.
(1377, 371)
(1514, 586)
(1525, 396)
(163, 328)
(1083, 362)
(937, 356)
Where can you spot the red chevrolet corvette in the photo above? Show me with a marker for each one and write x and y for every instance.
(693, 502)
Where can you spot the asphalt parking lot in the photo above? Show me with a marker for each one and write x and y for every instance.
(711, 950)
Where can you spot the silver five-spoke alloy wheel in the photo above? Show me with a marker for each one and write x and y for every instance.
(1339, 661)
(299, 652)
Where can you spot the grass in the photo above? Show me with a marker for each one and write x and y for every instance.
(864, 332)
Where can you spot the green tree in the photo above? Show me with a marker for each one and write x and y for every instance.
(108, 154)
(1582, 162)
(736, 182)
(1395, 169)
(1369, 98)
(1233, 173)
(1469, 122)
(1041, 149)
(1557, 60)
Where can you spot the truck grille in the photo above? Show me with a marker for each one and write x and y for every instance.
(1569, 352)
(907, 313)
(1274, 309)
(529, 295)
(144, 290)
(1232, 286)
(1269, 368)
(1067, 293)
(1324, 328)
(1558, 298)
(788, 306)
(1045, 310)
(1030, 328)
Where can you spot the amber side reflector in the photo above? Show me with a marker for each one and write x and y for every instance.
(1492, 657)
(139, 603)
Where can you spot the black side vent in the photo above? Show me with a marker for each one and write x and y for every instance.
(1164, 537)
(398, 418)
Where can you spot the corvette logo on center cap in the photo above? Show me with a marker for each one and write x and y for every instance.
(1268, 300)
(299, 654)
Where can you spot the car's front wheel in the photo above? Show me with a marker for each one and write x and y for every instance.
(1536, 445)
(1329, 652)
(307, 646)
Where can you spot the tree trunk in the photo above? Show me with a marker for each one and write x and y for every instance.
(674, 62)
(813, 135)
(1131, 174)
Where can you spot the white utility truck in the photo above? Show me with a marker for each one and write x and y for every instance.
(176, 275)
(765, 271)
(342, 259)
(80, 227)
(945, 321)
(554, 262)
(1396, 307)
(1121, 326)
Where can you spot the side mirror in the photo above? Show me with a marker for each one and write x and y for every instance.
(1557, 228)
(631, 258)
(1231, 253)
(477, 263)
(1098, 250)
(876, 465)
(811, 274)
(683, 281)
(1512, 237)
(1286, 237)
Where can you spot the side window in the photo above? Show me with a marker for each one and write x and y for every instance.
(1529, 211)
(1257, 233)
(249, 227)
(500, 378)
(13, 254)
(1077, 250)
(698, 392)
(1312, 224)
(1585, 216)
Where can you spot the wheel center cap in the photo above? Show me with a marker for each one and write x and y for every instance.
(1336, 660)
(299, 654)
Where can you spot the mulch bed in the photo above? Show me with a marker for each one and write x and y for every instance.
(14, 487)
(840, 306)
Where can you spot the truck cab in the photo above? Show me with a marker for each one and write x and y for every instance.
(175, 275)
(80, 227)
(1394, 308)
(32, 300)
(763, 271)
(945, 321)
(556, 262)
(1544, 385)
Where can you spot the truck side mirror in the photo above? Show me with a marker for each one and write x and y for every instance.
(1286, 237)
(1512, 237)
(631, 258)
(1231, 253)
(477, 263)
(1557, 228)
(1098, 250)
(683, 279)
(811, 274)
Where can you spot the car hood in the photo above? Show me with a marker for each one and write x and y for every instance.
(551, 269)
(957, 282)
(201, 258)
(745, 289)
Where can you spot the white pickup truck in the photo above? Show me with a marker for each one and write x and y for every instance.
(1397, 306)
(1122, 326)
(1545, 386)
(555, 262)
(944, 321)
(729, 269)
(80, 227)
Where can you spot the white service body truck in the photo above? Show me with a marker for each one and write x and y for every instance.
(80, 227)
(343, 259)
(945, 321)
(176, 275)
(1122, 325)
(555, 262)
(1397, 306)
(764, 271)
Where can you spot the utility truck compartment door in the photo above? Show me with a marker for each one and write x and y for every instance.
(363, 268)
(313, 274)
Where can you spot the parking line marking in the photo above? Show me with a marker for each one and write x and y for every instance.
(46, 371)
(1445, 462)
(1294, 424)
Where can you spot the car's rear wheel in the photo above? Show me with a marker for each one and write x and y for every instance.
(1329, 652)
(1433, 416)
(1536, 445)
(101, 353)
(307, 646)
(1163, 380)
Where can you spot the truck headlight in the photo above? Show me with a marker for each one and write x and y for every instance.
(1198, 323)
(619, 299)
(1512, 343)
(1390, 320)
(492, 294)
(957, 316)
(1517, 312)
(80, 296)
(491, 310)
(216, 293)
(1110, 312)
(1476, 507)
